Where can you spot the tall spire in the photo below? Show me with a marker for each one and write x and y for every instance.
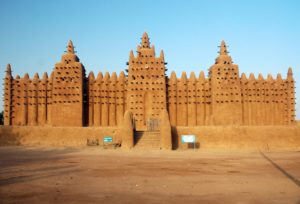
(223, 48)
(45, 76)
(8, 70)
(162, 55)
(145, 41)
(70, 47)
(131, 55)
(290, 74)
(223, 57)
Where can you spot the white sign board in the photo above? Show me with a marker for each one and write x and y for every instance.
(188, 138)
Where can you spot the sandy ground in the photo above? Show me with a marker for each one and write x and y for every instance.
(93, 175)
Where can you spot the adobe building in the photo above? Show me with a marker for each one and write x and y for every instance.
(70, 98)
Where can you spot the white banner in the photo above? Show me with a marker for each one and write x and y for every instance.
(188, 138)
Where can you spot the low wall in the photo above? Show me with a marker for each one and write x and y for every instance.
(53, 136)
(266, 138)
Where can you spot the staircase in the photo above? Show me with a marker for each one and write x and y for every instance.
(147, 140)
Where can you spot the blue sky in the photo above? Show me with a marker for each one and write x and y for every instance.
(263, 36)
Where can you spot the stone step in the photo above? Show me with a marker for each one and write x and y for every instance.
(147, 140)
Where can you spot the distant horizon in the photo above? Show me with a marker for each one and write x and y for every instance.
(262, 37)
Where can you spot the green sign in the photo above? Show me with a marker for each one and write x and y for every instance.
(107, 139)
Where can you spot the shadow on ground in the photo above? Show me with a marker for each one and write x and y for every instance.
(19, 164)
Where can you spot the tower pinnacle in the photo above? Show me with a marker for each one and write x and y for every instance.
(8, 70)
(70, 47)
(223, 48)
(145, 41)
(290, 74)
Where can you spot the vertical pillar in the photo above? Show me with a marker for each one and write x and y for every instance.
(126, 131)
(42, 100)
(191, 106)
(182, 101)
(120, 98)
(290, 97)
(7, 95)
(112, 99)
(91, 79)
(172, 95)
(49, 88)
(200, 99)
(98, 99)
(105, 95)
(165, 131)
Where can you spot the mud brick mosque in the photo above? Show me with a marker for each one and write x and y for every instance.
(70, 98)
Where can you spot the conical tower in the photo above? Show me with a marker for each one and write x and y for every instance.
(145, 41)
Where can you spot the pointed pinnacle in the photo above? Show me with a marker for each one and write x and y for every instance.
(145, 41)
(270, 78)
(192, 76)
(114, 76)
(251, 77)
(183, 76)
(201, 76)
(45, 76)
(162, 55)
(173, 76)
(91, 76)
(131, 55)
(223, 48)
(70, 47)
(121, 76)
(26, 76)
(244, 77)
(260, 77)
(36, 76)
(290, 74)
(99, 76)
(8, 70)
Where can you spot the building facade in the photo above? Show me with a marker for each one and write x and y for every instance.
(68, 98)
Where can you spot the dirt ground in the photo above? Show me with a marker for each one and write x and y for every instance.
(94, 175)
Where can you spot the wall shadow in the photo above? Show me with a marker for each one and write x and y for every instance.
(8, 137)
(175, 144)
(285, 173)
(25, 164)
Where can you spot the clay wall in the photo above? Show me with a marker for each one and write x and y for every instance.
(29, 100)
(189, 100)
(69, 98)
(240, 138)
(106, 96)
(223, 138)
(267, 101)
(54, 136)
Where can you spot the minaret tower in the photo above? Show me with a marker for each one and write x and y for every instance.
(67, 93)
(146, 96)
(225, 89)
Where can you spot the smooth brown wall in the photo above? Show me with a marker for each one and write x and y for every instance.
(265, 138)
(54, 136)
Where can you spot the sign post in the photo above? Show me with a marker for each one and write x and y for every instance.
(188, 139)
(106, 140)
